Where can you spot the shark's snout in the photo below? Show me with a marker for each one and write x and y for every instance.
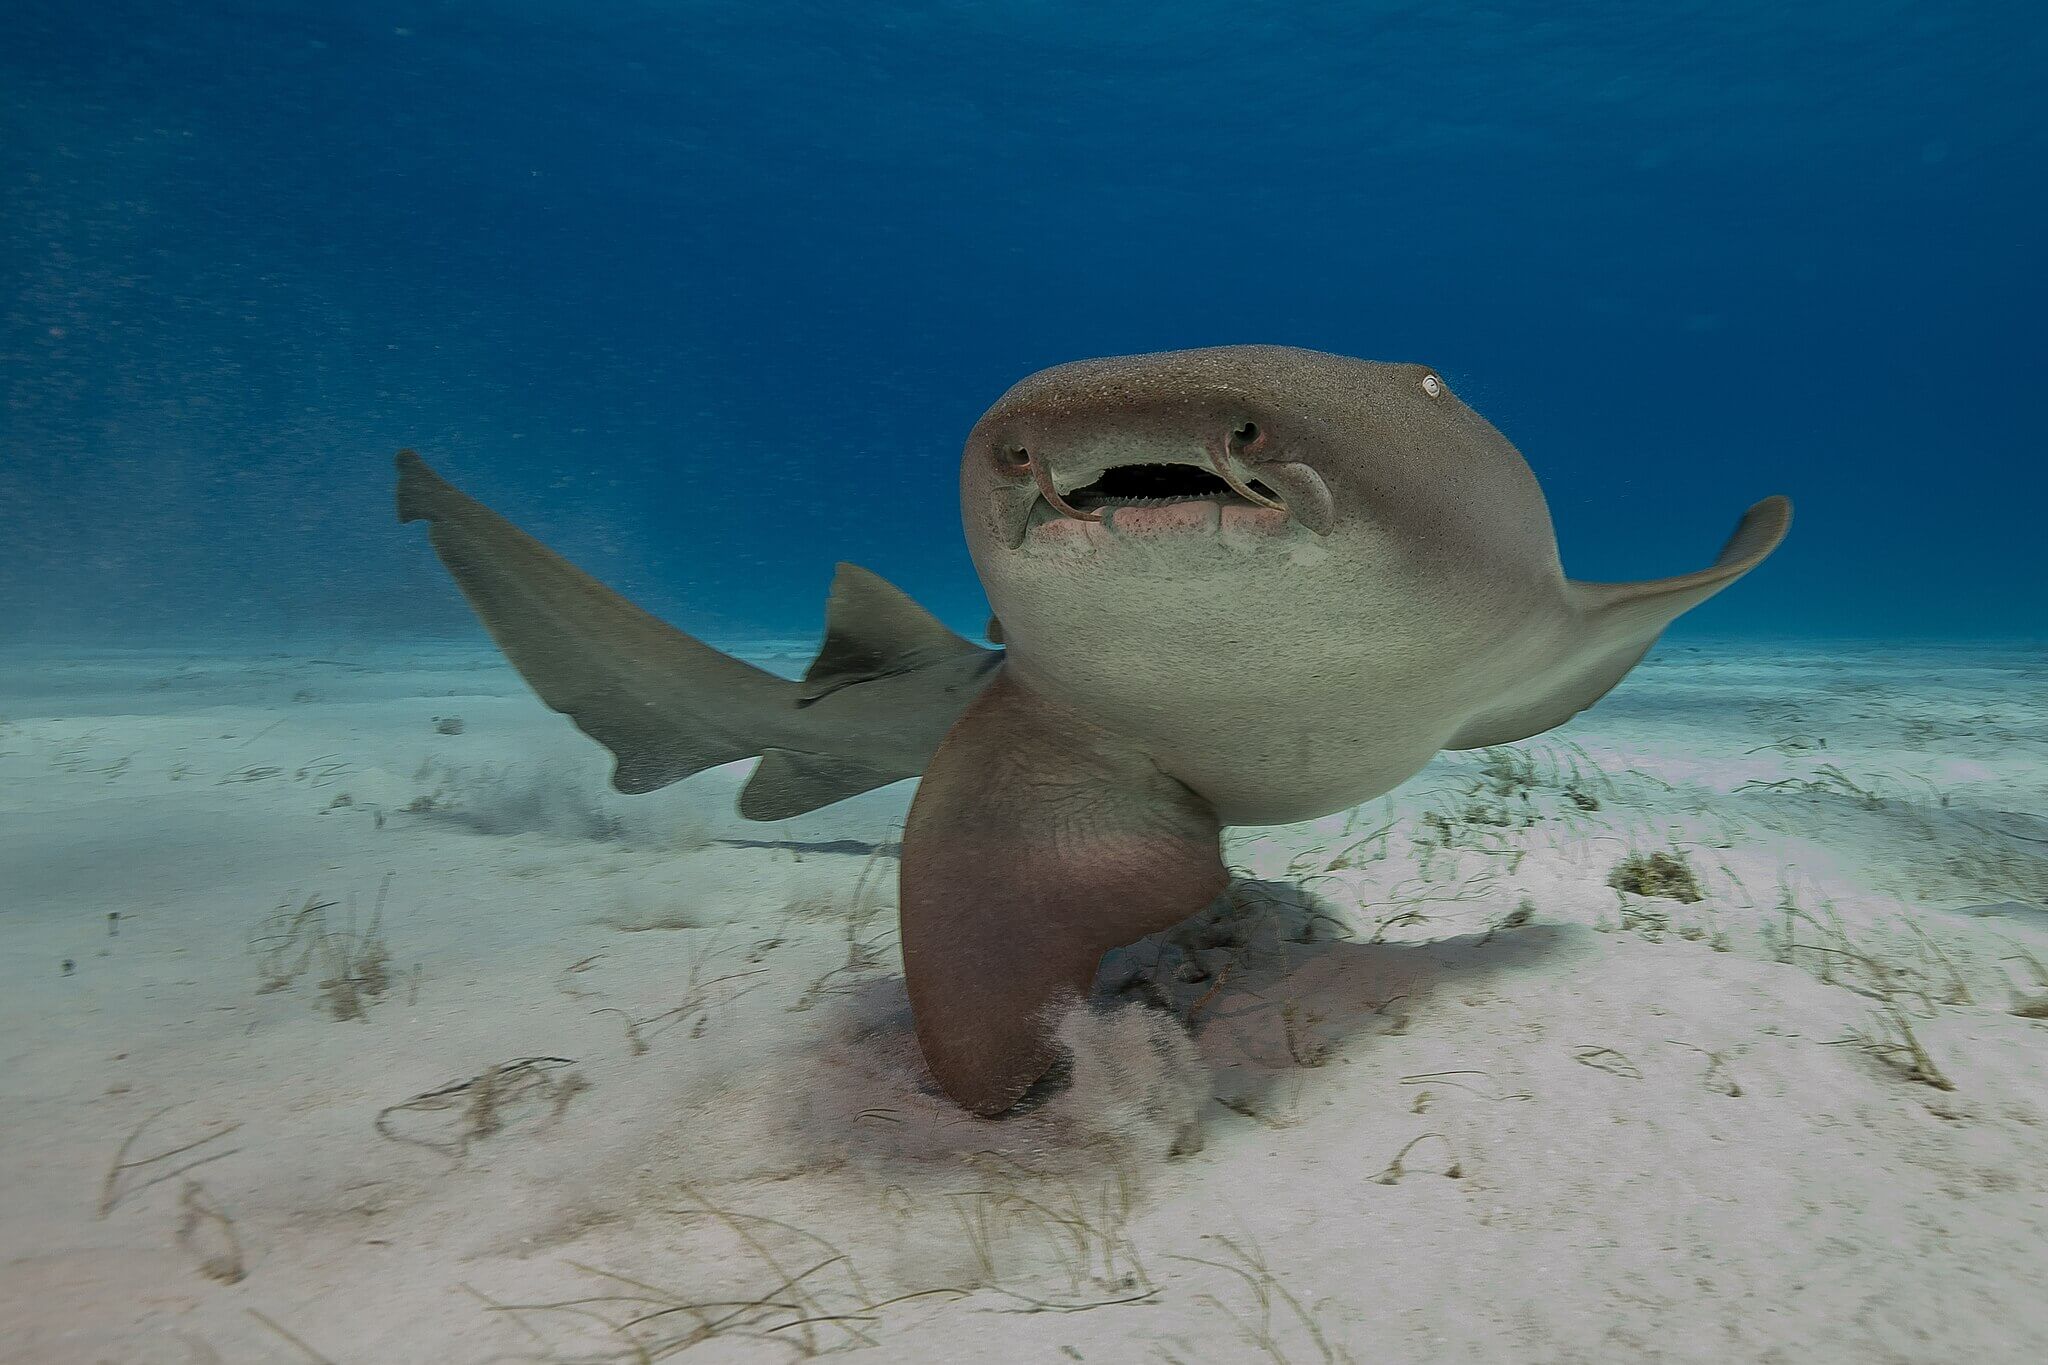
(1095, 443)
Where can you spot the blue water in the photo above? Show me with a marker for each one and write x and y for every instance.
(707, 295)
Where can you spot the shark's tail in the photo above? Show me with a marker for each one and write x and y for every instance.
(668, 705)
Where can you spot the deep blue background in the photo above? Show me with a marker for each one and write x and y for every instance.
(708, 294)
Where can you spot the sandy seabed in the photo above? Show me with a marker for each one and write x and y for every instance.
(348, 1016)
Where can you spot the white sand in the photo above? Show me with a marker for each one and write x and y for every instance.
(1634, 1129)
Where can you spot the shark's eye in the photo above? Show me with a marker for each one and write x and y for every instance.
(1432, 386)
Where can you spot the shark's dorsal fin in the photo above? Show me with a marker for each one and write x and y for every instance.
(1618, 622)
(873, 630)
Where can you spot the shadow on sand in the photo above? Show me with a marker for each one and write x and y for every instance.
(1258, 978)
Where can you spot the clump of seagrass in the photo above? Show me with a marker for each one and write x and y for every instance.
(1894, 1043)
(1520, 773)
(811, 1298)
(2029, 1003)
(866, 943)
(1717, 1078)
(355, 968)
(1083, 1224)
(274, 1325)
(449, 1118)
(699, 998)
(208, 1234)
(1397, 1168)
(1274, 1322)
(1838, 961)
(1656, 874)
(1827, 780)
(1298, 1027)
(1607, 1059)
(116, 1186)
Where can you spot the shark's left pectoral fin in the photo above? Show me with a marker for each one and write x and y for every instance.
(1615, 625)
(1624, 612)
(1037, 843)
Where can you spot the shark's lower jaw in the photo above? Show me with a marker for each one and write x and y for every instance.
(1229, 520)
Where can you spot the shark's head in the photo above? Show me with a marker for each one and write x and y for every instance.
(1264, 440)
(1186, 528)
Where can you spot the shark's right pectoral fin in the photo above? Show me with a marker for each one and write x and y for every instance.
(1037, 843)
(665, 704)
(1615, 624)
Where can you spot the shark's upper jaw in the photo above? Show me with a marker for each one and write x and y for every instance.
(1157, 485)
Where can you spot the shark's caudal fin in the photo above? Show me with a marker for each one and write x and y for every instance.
(1618, 622)
(1037, 842)
(668, 705)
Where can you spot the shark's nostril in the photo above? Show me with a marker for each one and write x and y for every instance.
(1247, 440)
(1013, 459)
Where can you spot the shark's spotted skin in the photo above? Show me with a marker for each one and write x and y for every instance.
(1245, 585)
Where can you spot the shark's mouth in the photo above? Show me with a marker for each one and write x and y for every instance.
(1160, 485)
(1168, 497)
